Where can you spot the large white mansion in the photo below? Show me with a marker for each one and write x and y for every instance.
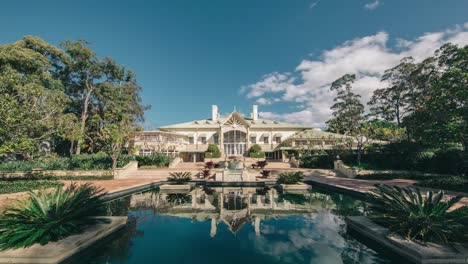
(233, 134)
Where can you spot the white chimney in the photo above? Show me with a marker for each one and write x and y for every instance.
(214, 112)
(255, 112)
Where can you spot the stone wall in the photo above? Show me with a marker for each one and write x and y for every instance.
(344, 170)
(125, 172)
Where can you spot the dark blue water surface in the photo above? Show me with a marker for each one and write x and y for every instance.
(235, 225)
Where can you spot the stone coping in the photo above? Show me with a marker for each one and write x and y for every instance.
(56, 252)
(298, 186)
(175, 187)
(429, 253)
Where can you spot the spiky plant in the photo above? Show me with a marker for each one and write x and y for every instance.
(50, 215)
(209, 165)
(178, 198)
(261, 164)
(290, 177)
(205, 173)
(265, 173)
(417, 217)
(180, 177)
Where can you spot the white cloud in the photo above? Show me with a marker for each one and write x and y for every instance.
(308, 88)
(373, 5)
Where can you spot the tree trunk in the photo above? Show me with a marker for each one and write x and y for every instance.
(72, 146)
(359, 157)
(114, 162)
(84, 116)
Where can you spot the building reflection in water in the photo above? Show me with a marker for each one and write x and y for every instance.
(235, 206)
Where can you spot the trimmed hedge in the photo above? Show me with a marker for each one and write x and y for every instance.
(212, 155)
(212, 152)
(98, 161)
(26, 185)
(258, 155)
(255, 151)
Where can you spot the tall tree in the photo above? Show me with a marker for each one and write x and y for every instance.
(397, 100)
(83, 75)
(32, 101)
(347, 109)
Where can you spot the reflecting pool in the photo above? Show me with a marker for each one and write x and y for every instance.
(234, 225)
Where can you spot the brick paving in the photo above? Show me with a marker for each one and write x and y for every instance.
(327, 177)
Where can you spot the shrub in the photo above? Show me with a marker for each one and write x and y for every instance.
(415, 217)
(212, 151)
(257, 155)
(180, 177)
(212, 155)
(455, 183)
(255, 151)
(13, 166)
(50, 216)
(14, 186)
(158, 160)
(98, 161)
(290, 177)
(317, 161)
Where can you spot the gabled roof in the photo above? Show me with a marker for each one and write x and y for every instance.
(209, 123)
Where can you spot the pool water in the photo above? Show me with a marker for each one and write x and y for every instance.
(234, 225)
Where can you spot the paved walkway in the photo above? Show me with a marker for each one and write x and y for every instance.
(329, 177)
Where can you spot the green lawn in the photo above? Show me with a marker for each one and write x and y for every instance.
(25, 185)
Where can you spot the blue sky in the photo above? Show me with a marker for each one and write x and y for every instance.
(281, 54)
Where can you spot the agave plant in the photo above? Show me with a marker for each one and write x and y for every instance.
(417, 217)
(290, 177)
(205, 173)
(209, 165)
(261, 164)
(265, 173)
(50, 215)
(178, 198)
(180, 177)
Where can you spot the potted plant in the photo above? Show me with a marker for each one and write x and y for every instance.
(292, 181)
(178, 181)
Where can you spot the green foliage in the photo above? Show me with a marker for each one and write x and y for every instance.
(212, 152)
(348, 109)
(212, 155)
(317, 161)
(417, 217)
(290, 177)
(293, 198)
(180, 177)
(98, 161)
(14, 186)
(454, 183)
(50, 216)
(178, 198)
(257, 155)
(255, 151)
(157, 160)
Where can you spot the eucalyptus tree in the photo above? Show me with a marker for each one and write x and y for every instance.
(396, 101)
(32, 101)
(347, 108)
(83, 75)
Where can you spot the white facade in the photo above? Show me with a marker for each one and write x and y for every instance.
(233, 135)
